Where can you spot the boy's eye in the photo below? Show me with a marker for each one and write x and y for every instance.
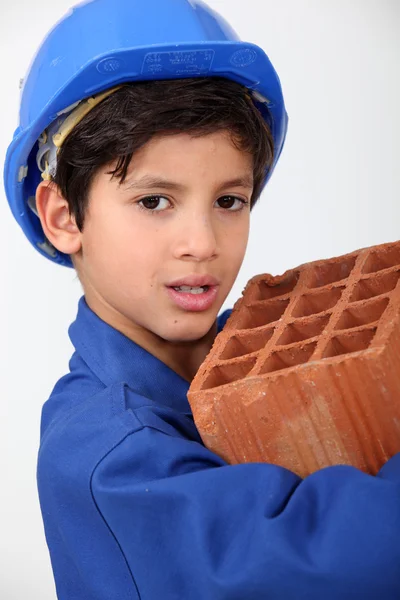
(152, 203)
(228, 201)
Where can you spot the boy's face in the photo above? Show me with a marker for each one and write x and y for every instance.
(131, 253)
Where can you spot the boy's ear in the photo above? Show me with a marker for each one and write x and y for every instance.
(58, 225)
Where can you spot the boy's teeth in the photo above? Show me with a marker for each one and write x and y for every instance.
(191, 290)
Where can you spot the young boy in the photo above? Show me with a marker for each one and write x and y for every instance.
(155, 130)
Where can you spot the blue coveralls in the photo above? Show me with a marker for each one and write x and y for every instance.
(134, 506)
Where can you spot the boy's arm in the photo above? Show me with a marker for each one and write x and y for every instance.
(192, 527)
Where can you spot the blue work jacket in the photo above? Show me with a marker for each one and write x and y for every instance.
(136, 507)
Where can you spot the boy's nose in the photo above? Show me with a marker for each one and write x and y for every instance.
(196, 239)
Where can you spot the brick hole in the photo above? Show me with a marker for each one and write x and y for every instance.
(382, 259)
(290, 357)
(317, 302)
(287, 285)
(222, 374)
(257, 315)
(297, 332)
(349, 342)
(355, 316)
(331, 272)
(374, 286)
(239, 345)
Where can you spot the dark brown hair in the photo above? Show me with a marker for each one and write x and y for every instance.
(127, 119)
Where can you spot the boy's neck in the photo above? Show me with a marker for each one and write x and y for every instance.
(184, 358)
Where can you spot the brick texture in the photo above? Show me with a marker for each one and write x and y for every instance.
(306, 372)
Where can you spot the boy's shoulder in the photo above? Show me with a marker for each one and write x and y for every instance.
(82, 426)
(113, 389)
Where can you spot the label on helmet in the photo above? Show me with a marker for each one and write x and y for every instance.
(180, 62)
(243, 58)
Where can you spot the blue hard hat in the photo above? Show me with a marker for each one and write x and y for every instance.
(99, 44)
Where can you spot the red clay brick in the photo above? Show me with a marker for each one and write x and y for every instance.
(306, 372)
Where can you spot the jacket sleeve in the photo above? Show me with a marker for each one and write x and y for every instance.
(191, 526)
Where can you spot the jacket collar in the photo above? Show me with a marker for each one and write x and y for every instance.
(113, 358)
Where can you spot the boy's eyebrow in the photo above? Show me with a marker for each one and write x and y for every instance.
(149, 181)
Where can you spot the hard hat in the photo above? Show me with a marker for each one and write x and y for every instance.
(100, 44)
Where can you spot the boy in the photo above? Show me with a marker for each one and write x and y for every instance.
(154, 143)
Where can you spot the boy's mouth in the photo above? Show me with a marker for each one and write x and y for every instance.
(192, 290)
(193, 299)
(194, 282)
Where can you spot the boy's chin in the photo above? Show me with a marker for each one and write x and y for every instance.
(191, 334)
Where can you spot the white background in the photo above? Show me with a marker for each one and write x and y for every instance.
(336, 189)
